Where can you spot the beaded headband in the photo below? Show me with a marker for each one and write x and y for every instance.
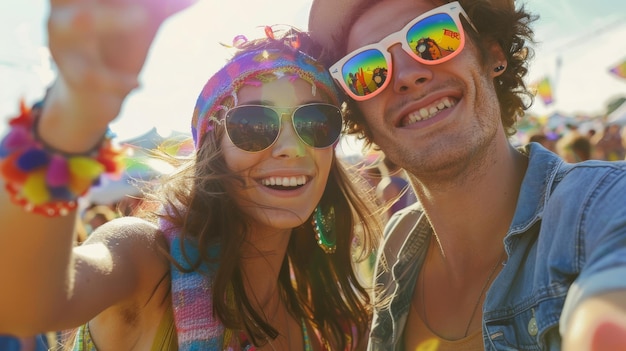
(255, 67)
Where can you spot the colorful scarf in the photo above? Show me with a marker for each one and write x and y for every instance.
(192, 299)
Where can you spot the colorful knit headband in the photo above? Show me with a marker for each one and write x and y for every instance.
(255, 67)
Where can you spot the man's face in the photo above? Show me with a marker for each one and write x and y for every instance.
(431, 119)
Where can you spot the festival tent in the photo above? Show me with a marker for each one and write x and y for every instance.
(141, 165)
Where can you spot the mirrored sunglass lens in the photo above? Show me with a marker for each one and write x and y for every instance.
(318, 125)
(252, 128)
(365, 72)
(434, 37)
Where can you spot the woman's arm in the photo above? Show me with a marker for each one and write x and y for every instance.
(120, 264)
(99, 49)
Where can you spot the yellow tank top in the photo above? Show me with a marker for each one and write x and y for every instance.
(165, 339)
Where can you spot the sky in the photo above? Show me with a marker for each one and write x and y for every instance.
(578, 42)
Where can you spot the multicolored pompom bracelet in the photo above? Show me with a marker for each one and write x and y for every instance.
(46, 181)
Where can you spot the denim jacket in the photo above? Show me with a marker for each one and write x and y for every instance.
(567, 241)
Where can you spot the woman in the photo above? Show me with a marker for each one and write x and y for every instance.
(253, 239)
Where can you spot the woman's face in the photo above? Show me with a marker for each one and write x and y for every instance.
(302, 170)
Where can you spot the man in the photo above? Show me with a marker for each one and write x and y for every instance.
(507, 249)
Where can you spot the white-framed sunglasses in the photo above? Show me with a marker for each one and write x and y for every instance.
(431, 38)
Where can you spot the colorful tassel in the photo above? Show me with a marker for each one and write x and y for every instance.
(18, 138)
(58, 172)
(33, 159)
(35, 189)
(43, 180)
(9, 169)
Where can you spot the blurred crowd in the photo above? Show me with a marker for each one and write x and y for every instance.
(575, 145)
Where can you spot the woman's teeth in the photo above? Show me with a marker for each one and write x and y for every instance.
(292, 181)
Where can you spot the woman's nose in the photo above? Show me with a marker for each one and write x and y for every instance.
(288, 143)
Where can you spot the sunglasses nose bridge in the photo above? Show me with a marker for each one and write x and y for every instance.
(388, 43)
(285, 122)
(398, 51)
(285, 115)
(407, 72)
(400, 57)
(288, 137)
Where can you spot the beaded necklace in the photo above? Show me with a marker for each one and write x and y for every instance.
(307, 341)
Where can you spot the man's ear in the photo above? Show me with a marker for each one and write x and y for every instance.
(498, 62)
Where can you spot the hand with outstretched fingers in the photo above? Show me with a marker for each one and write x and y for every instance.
(100, 48)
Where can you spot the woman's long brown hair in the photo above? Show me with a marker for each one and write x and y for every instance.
(323, 289)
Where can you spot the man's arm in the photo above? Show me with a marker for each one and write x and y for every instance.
(598, 324)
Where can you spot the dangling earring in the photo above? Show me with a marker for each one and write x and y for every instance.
(324, 227)
(499, 68)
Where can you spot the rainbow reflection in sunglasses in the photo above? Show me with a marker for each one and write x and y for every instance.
(433, 37)
(254, 128)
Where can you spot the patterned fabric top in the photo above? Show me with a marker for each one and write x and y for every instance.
(165, 339)
(197, 327)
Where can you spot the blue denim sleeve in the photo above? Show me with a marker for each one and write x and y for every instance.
(602, 241)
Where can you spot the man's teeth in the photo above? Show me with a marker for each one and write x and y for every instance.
(430, 111)
(284, 181)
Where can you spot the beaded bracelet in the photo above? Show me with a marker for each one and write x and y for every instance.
(46, 181)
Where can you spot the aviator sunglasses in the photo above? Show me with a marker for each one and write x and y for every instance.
(255, 128)
(433, 37)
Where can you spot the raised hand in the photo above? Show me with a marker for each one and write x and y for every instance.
(99, 47)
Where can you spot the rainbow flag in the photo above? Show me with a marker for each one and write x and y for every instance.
(544, 90)
(619, 70)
